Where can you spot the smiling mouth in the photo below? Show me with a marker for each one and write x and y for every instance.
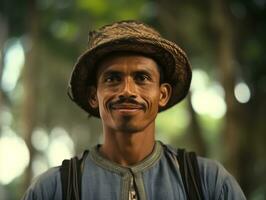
(127, 108)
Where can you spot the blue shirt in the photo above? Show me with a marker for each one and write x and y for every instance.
(157, 177)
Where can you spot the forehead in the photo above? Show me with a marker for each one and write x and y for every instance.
(127, 62)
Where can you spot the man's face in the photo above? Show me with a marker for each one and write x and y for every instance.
(129, 92)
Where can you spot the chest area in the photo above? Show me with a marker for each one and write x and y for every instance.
(162, 181)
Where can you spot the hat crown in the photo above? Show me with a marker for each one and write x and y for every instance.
(122, 29)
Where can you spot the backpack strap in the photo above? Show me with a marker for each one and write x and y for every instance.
(189, 169)
(71, 176)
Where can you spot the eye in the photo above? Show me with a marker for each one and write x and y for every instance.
(141, 77)
(112, 78)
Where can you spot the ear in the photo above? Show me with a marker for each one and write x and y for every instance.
(92, 98)
(165, 94)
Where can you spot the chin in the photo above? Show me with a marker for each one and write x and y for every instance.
(129, 128)
(132, 126)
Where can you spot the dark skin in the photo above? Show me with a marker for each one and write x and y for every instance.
(128, 96)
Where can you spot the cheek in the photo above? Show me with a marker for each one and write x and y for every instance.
(104, 97)
(152, 98)
(101, 97)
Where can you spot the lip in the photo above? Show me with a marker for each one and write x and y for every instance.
(127, 108)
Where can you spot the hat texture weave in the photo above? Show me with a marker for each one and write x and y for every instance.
(136, 37)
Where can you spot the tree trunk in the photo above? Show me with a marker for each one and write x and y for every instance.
(225, 62)
(30, 85)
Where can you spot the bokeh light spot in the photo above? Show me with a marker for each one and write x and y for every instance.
(61, 147)
(14, 156)
(40, 139)
(207, 96)
(208, 102)
(242, 92)
(13, 63)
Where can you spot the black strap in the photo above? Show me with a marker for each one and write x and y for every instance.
(71, 173)
(189, 169)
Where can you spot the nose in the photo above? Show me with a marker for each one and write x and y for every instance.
(128, 88)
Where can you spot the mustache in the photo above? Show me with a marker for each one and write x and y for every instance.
(128, 100)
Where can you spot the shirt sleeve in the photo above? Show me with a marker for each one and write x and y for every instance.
(231, 190)
(217, 182)
(45, 187)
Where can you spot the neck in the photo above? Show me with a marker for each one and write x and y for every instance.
(128, 148)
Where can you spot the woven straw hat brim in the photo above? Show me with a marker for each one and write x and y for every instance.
(172, 60)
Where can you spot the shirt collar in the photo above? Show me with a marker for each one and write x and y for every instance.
(146, 163)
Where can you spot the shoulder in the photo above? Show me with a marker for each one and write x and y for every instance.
(218, 183)
(45, 186)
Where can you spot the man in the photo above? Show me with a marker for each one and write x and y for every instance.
(128, 74)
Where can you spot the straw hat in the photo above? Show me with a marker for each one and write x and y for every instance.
(129, 36)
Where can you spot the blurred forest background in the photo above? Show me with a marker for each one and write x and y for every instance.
(223, 117)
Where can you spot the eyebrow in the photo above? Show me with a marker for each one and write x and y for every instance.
(146, 72)
(114, 71)
(107, 72)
